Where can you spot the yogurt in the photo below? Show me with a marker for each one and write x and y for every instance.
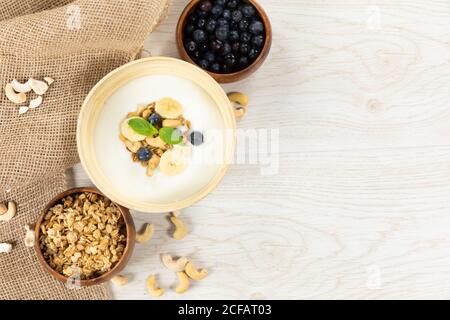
(130, 178)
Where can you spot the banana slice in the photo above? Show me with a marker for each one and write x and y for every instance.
(129, 133)
(174, 162)
(169, 108)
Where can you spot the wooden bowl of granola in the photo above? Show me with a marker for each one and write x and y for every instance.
(83, 239)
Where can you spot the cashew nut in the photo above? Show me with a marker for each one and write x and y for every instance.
(5, 247)
(238, 97)
(183, 284)
(119, 280)
(23, 110)
(39, 87)
(174, 265)
(29, 237)
(36, 102)
(3, 208)
(240, 112)
(193, 273)
(10, 213)
(176, 213)
(180, 229)
(152, 287)
(49, 80)
(21, 87)
(146, 234)
(13, 96)
(240, 103)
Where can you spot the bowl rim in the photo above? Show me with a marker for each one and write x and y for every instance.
(226, 110)
(119, 266)
(233, 76)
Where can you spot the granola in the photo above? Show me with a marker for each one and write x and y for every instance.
(83, 236)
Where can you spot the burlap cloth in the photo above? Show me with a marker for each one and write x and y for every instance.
(49, 38)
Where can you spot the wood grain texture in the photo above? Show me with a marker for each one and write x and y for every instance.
(360, 208)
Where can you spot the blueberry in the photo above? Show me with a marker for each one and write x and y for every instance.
(237, 15)
(245, 37)
(256, 27)
(199, 36)
(222, 33)
(233, 36)
(243, 25)
(245, 49)
(144, 154)
(196, 138)
(248, 11)
(253, 53)
(243, 62)
(201, 23)
(205, 6)
(204, 64)
(211, 25)
(210, 56)
(155, 119)
(226, 49)
(226, 14)
(258, 41)
(189, 28)
(215, 67)
(232, 4)
(224, 68)
(195, 55)
(203, 48)
(190, 46)
(221, 2)
(202, 15)
(234, 25)
(230, 60)
(236, 47)
(221, 22)
(192, 18)
(217, 10)
(216, 45)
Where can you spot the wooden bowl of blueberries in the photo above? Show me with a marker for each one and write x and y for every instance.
(229, 39)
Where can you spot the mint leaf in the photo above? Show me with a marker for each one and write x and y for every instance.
(143, 127)
(170, 135)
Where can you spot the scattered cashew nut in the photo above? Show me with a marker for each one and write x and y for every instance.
(23, 110)
(240, 103)
(183, 284)
(3, 208)
(180, 229)
(145, 235)
(29, 237)
(152, 287)
(5, 247)
(119, 280)
(21, 87)
(176, 213)
(36, 102)
(13, 96)
(49, 80)
(193, 273)
(174, 265)
(39, 87)
(10, 212)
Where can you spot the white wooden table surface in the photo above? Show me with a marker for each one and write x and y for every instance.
(360, 207)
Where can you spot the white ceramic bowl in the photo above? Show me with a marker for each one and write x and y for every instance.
(108, 163)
